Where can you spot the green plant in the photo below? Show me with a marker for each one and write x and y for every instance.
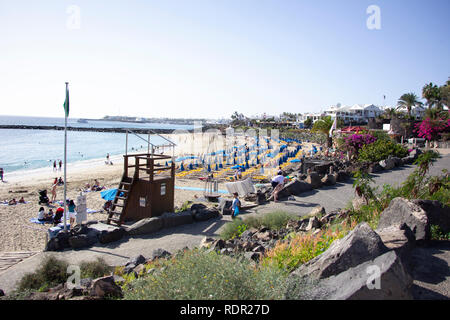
(95, 269)
(276, 220)
(362, 186)
(380, 150)
(184, 207)
(231, 230)
(437, 234)
(52, 272)
(199, 275)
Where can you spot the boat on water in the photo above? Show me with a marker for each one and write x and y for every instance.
(82, 121)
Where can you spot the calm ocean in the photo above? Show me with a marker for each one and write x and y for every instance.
(23, 149)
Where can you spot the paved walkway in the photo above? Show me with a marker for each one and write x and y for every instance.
(190, 235)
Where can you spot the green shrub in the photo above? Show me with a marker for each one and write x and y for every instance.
(51, 273)
(380, 150)
(198, 275)
(273, 220)
(276, 220)
(232, 229)
(437, 234)
(95, 269)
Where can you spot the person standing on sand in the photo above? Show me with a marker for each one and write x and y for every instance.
(1, 174)
(54, 165)
(60, 164)
(54, 192)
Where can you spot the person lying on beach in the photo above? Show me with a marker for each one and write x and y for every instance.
(12, 202)
(22, 200)
(96, 186)
(43, 217)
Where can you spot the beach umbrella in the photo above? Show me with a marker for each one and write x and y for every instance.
(220, 165)
(217, 167)
(182, 167)
(191, 166)
(209, 168)
(295, 161)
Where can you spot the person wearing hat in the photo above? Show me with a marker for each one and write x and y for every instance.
(235, 205)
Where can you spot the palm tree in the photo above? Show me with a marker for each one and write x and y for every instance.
(431, 93)
(324, 125)
(409, 100)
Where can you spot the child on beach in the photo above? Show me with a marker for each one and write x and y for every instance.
(235, 206)
(72, 213)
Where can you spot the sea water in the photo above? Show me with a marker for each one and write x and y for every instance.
(24, 149)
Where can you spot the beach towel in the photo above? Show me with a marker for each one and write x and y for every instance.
(92, 211)
(35, 220)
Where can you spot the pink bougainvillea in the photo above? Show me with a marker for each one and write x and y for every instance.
(355, 142)
(431, 129)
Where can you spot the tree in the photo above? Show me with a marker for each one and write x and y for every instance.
(445, 93)
(308, 123)
(324, 125)
(409, 100)
(432, 94)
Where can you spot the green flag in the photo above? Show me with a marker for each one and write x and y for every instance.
(66, 103)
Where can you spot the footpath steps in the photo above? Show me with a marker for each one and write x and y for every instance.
(8, 259)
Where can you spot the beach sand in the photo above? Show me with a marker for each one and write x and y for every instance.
(17, 233)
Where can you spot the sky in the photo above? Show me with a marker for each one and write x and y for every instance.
(209, 58)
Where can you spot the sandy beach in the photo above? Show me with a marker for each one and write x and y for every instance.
(17, 233)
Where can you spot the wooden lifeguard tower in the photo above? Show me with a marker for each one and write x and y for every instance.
(147, 187)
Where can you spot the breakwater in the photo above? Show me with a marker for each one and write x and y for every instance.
(117, 130)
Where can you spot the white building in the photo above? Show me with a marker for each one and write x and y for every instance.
(357, 113)
(417, 111)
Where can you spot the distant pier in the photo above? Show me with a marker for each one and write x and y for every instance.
(117, 130)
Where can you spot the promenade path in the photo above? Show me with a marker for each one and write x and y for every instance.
(173, 239)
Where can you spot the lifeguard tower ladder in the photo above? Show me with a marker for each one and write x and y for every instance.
(146, 188)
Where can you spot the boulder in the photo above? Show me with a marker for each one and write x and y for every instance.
(397, 161)
(79, 241)
(160, 254)
(110, 236)
(407, 160)
(146, 226)
(177, 219)
(382, 278)
(105, 287)
(313, 223)
(402, 211)
(317, 211)
(400, 239)
(206, 242)
(329, 180)
(206, 214)
(224, 207)
(197, 207)
(342, 176)
(295, 188)
(375, 167)
(137, 260)
(314, 180)
(437, 213)
(360, 245)
(387, 164)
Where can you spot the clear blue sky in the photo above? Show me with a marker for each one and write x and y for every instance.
(208, 58)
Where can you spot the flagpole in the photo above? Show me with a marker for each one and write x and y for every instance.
(65, 160)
